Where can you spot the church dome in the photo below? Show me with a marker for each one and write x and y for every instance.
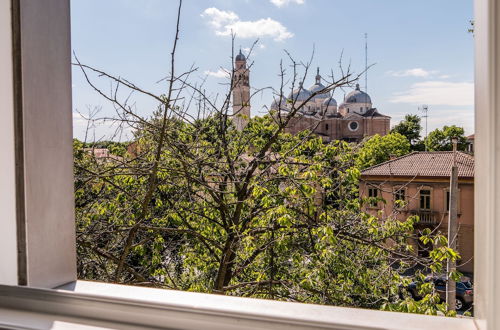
(300, 94)
(330, 102)
(318, 86)
(275, 105)
(240, 57)
(358, 96)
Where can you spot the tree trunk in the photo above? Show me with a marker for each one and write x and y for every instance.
(225, 272)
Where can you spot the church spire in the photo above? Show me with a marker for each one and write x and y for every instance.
(318, 77)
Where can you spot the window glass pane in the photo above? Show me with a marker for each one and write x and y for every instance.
(221, 178)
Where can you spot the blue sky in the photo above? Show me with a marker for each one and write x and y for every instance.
(421, 50)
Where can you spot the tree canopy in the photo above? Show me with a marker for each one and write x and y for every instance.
(227, 217)
(378, 149)
(410, 127)
(440, 139)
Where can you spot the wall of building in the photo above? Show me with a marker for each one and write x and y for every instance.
(438, 189)
(338, 128)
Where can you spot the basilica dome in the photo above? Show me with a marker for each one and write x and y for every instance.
(358, 96)
(330, 102)
(299, 94)
(316, 88)
(275, 105)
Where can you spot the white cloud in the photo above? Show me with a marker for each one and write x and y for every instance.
(416, 72)
(227, 22)
(281, 3)
(438, 93)
(221, 73)
(218, 18)
(78, 119)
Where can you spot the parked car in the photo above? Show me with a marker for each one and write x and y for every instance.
(464, 291)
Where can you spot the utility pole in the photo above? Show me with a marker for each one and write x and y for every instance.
(451, 266)
(425, 109)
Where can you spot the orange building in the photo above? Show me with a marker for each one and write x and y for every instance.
(421, 180)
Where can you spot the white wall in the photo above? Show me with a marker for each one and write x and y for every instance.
(8, 245)
(487, 153)
(48, 142)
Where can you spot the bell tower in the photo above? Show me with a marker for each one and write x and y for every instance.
(241, 92)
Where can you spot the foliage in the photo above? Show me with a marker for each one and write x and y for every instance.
(378, 149)
(440, 139)
(410, 127)
(293, 229)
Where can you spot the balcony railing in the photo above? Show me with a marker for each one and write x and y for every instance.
(426, 217)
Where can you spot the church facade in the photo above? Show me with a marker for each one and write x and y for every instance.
(352, 121)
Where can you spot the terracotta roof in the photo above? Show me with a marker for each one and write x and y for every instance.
(428, 164)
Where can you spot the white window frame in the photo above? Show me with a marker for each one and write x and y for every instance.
(398, 190)
(80, 303)
(378, 193)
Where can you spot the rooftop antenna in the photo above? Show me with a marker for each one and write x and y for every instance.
(424, 108)
(366, 62)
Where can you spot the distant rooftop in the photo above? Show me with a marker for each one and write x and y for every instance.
(427, 164)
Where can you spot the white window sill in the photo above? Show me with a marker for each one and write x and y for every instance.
(94, 304)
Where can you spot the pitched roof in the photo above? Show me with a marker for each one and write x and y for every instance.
(428, 164)
(374, 113)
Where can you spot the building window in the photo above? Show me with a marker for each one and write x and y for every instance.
(326, 127)
(353, 126)
(399, 198)
(373, 195)
(400, 195)
(425, 199)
